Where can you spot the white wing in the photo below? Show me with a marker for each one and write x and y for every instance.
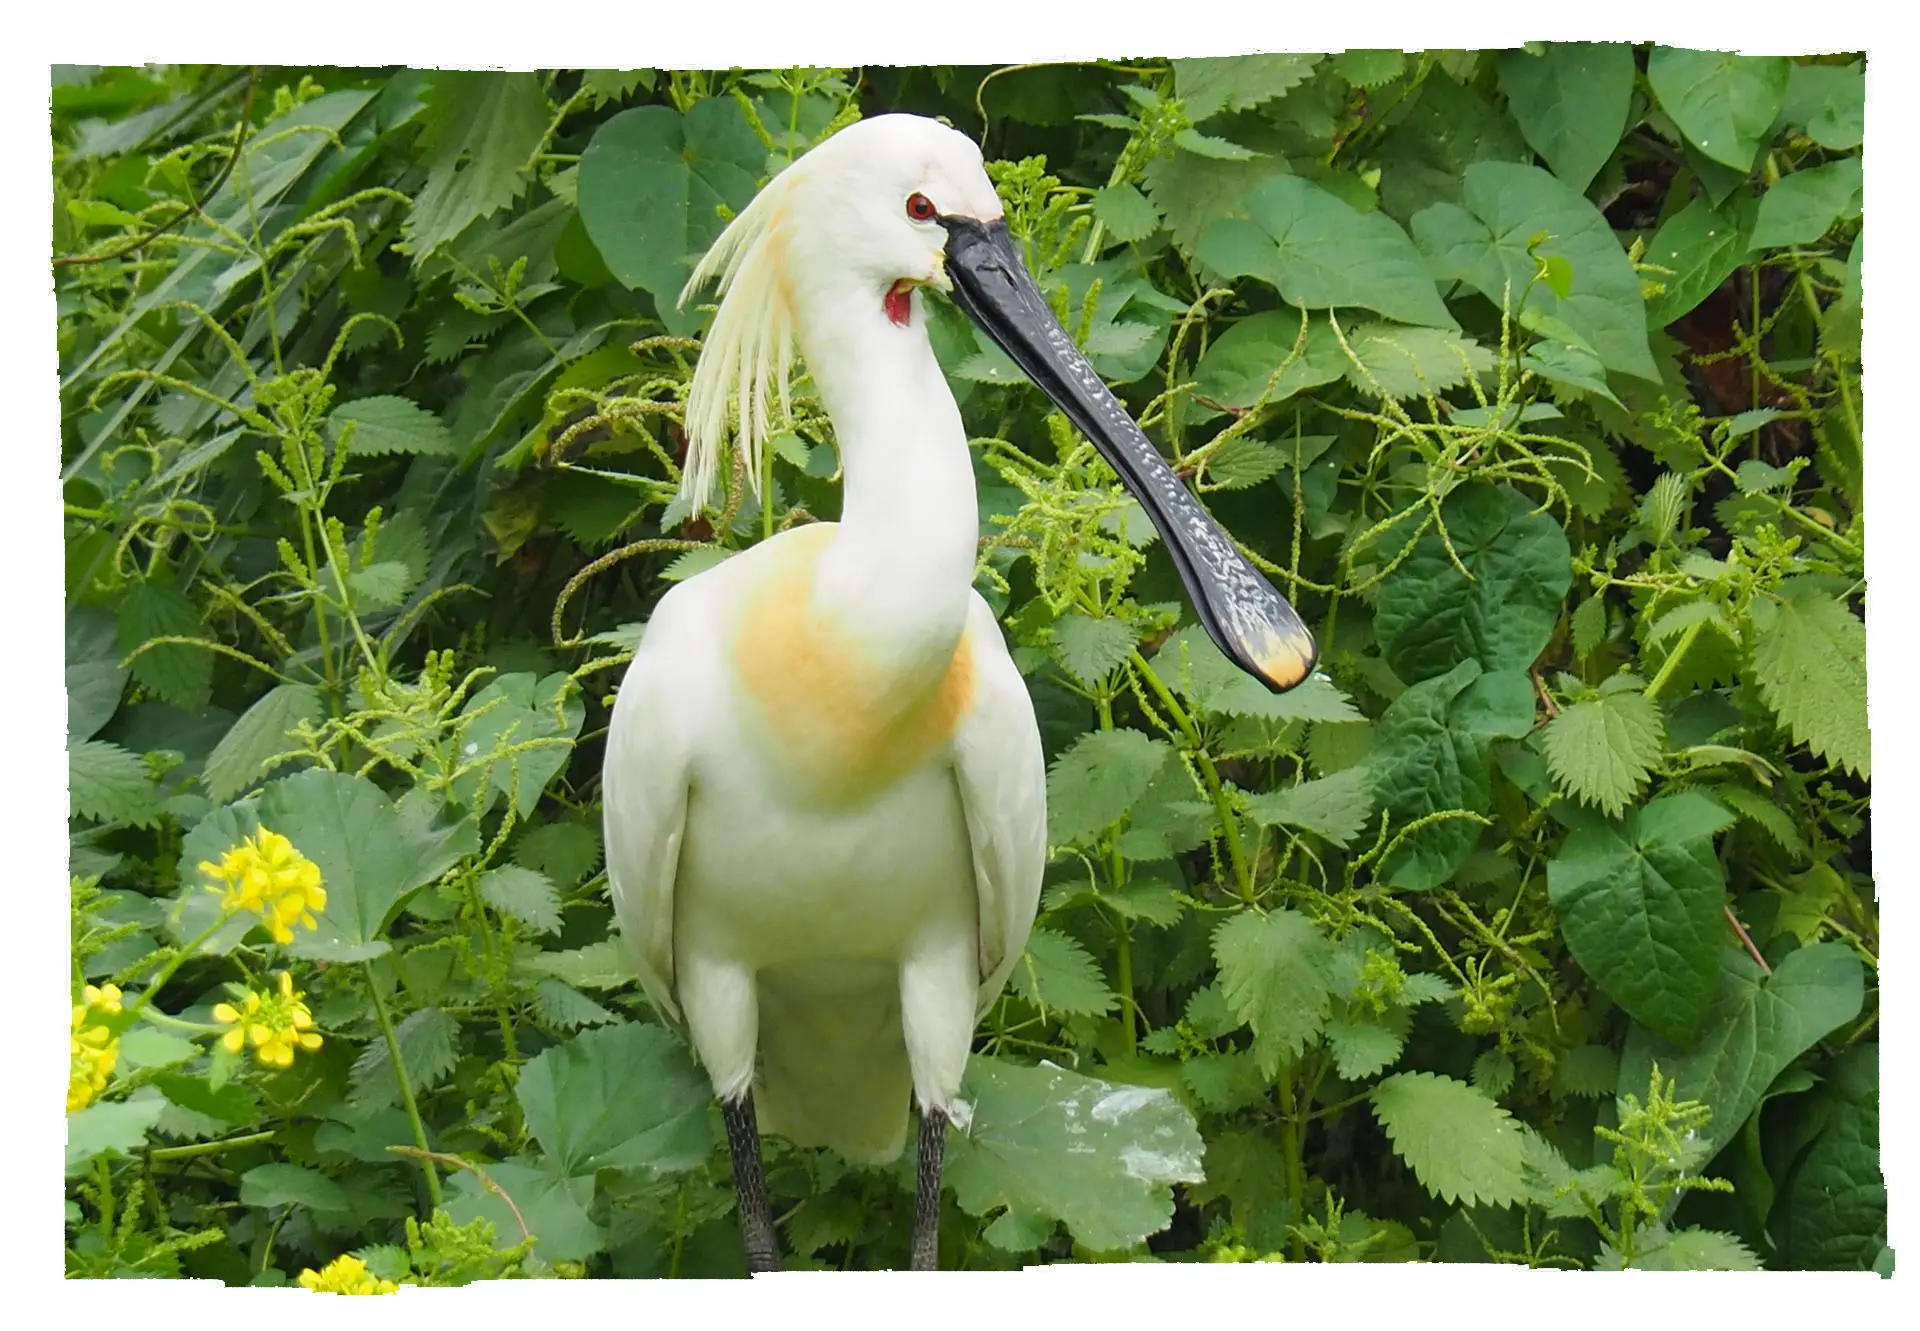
(1003, 789)
(644, 797)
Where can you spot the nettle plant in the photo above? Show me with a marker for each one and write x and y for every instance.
(1538, 927)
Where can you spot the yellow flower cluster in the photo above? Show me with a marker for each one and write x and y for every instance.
(93, 1050)
(275, 1024)
(345, 1274)
(266, 875)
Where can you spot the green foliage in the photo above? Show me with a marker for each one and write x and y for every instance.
(1532, 378)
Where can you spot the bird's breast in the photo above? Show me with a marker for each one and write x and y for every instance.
(834, 706)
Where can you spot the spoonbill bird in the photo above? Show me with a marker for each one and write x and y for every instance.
(825, 794)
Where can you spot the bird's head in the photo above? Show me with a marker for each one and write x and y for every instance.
(896, 202)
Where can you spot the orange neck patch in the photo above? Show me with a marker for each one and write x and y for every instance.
(849, 725)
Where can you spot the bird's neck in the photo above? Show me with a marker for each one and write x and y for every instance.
(901, 567)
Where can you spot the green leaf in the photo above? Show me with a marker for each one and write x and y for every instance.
(428, 1040)
(618, 1097)
(1691, 1250)
(1571, 101)
(1335, 807)
(1601, 750)
(1238, 366)
(370, 856)
(1192, 192)
(145, 1047)
(1241, 464)
(1319, 253)
(241, 757)
(601, 965)
(1206, 145)
(1046, 1146)
(1090, 648)
(1370, 69)
(1810, 660)
(1587, 626)
(562, 1005)
(1755, 1028)
(1640, 905)
(564, 852)
(553, 1205)
(293, 1185)
(1364, 1049)
(1125, 212)
(182, 675)
(689, 562)
(109, 1127)
(1427, 152)
(1804, 206)
(520, 736)
(1431, 752)
(1490, 245)
(1493, 1073)
(652, 183)
(383, 426)
(1588, 1070)
(1829, 102)
(1190, 665)
(1413, 362)
(95, 678)
(1832, 1210)
(1207, 87)
(1725, 104)
(1431, 617)
(106, 784)
(1092, 785)
(525, 894)
(1702, 245)
(233, 1102)
(1276, 975)
(1460, 1145)
(482, 128)
(1059, 975)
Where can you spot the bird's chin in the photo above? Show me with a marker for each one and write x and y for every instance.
(1246, 618)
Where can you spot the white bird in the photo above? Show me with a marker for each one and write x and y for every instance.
(825, 797)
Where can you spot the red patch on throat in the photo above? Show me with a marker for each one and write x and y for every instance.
(898, 302)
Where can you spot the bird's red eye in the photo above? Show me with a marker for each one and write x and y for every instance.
(920, 208)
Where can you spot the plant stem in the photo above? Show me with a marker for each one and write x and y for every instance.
(192, 1149)
(1292, 1142)
(1216, 790)
(174, 963)
(405, 1084)
(1667, 667)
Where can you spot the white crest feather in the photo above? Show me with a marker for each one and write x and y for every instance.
(747, 354)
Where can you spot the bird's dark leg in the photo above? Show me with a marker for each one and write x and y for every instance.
(750, 1184)
(926, 1206)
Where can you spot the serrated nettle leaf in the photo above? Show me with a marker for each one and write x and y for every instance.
(1412, 362)
(1762, 812)
(618, 1097)
(1588, 1070)
(1190, 665)
(1048, 1146)
(273, 1185)
(1571, 100)
(1724, 103)
(564, 852)
(1756, 1026)
(482, 128)
(1370, 69)
(1809, 655)
(386, 425)
(1460, 1144)
(243, 755)
(601, 965)
(690, 562)
(1335, 807)
(1491, 244)
(1640, 905)
(1689, 1250)
(106, 784)
(1602, 750)
(1192, 192)
(1804, 206)
(1092, 785)
(520, 736)
(1319, 253)
(181, 674)
(1431, 616)
(1493, 1073)
(1126, 213)
(559, 1004)
(1237, 83)
(1057, 974)
(1207, 145)
(1242, 463)
(1275, 973)
(526, 895)
(1366, 1048)
(427, 1040)
(1588, 625)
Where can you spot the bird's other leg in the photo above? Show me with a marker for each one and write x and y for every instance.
(938, 987)
(750, 1184)
(926, 1204)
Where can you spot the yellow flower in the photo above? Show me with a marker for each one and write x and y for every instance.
(107, 998)
(274, 1024)
(266, 875)
(345, 1274)
(93, 1052)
